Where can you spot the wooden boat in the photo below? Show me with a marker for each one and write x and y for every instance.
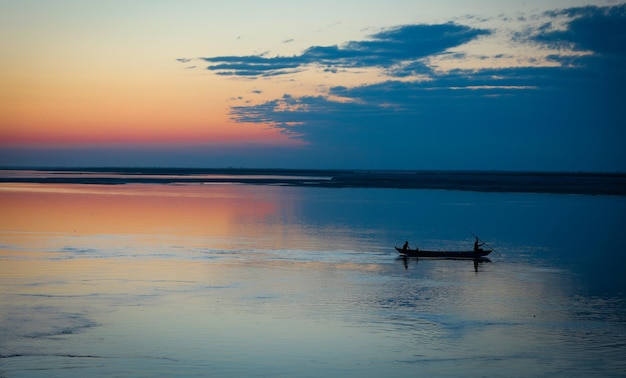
(442, 254)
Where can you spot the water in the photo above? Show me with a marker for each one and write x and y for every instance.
(238, 280)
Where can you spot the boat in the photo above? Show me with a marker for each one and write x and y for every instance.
(443, 254)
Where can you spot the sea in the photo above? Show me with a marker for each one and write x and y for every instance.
(237, 280)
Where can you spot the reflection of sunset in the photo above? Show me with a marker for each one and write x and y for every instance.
(129, 209)
(200, 216)
(196, 274)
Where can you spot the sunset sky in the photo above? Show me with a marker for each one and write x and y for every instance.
(486, 84)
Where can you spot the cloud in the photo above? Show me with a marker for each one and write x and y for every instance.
(253, 65)
(394, 109)
(568, 116)
(601, 30)
(385, 49)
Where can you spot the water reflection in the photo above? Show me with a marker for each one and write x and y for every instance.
(477, 261)
(256, 280)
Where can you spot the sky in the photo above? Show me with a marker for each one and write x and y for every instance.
(493, 85)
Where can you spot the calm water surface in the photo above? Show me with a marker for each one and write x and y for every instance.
(237, 280)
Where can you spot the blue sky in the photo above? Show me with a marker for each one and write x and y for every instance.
(492, 85)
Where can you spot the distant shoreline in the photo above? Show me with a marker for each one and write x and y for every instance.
(479, 181)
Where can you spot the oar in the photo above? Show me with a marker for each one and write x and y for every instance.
(484, 243)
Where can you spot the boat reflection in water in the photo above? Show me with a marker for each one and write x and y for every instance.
(477, 258)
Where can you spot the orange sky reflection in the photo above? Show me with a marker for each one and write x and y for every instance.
(198, 210)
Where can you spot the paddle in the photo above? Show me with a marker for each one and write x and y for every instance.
(484, 243)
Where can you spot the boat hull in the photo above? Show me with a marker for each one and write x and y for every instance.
(442, 254)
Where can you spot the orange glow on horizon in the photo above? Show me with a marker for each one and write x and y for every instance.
(163, 105)
(233, 135)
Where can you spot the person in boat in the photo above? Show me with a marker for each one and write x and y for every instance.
(477, 246)
(406, 247)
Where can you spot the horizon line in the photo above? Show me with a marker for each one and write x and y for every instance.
(113, 168)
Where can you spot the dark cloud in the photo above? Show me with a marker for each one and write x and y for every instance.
(545, 118)
(601, 30)
(526, 118)
(385, 49)
(252, 65)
